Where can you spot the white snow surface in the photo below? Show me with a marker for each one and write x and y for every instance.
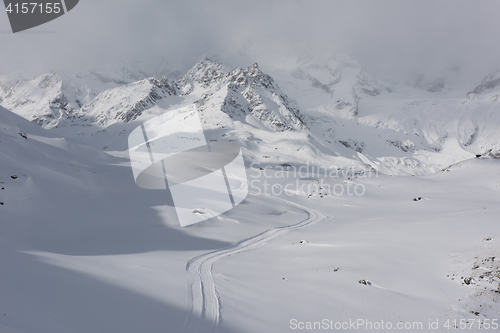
(400, 225)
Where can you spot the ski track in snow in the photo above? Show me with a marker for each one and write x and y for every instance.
(204, 300)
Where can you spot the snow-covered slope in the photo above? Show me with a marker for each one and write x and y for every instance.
(401, 129)
(83, 249)
(335, 84)
(58, 197)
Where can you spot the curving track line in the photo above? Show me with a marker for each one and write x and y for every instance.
(204, 301)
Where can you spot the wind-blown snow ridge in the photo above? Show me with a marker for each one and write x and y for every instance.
(205, 315)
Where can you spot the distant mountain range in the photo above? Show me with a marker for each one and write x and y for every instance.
(321, 110)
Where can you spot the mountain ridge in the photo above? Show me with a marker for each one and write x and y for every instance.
(332, 107)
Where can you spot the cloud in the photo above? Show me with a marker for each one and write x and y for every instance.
(393, 39)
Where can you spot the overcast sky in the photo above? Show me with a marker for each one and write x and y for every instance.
(393, 39)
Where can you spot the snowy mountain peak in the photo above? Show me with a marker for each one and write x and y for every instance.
(252, 76)
(126, 103)
(489, 82)
(204, 73)
(248, 92)
(44, 99)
